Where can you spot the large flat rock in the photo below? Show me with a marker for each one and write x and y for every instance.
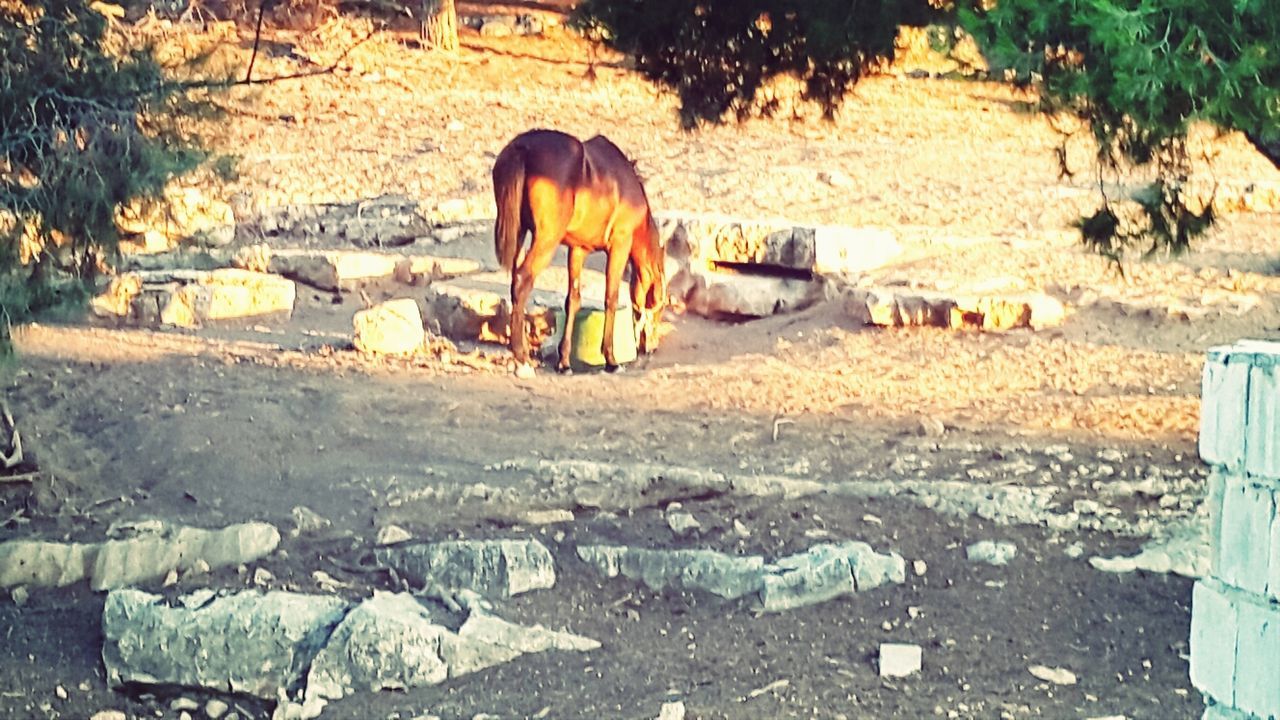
(906, 307)
(495, 568)
(252, 643)
(192, 298)
(344, 269)
(150, 554)
(708, 240)
(822, 573)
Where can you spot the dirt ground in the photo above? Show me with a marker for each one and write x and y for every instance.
(232, 424)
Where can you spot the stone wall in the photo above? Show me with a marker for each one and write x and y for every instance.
(1235, 619)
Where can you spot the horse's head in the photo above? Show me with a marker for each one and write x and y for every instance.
(649, 292)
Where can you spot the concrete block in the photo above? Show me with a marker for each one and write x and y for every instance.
(1224, 390)
(1214, 619)
(1273, 572)
(1218, 711)
(1214, 495)
(1243, 541)
(1262, 421)
(1257, 682)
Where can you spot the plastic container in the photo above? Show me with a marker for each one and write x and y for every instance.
(587, 333)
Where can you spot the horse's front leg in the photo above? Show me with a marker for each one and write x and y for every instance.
(535, 261)
(612, 282)
(572, 301)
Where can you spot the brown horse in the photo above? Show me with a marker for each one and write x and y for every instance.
(587, 196)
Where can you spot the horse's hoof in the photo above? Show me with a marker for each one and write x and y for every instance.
(524, 371)
(614, 369)
(565, 369)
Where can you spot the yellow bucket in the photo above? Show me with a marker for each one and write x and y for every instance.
(588, 331)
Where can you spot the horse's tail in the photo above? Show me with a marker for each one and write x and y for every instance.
(508, 191)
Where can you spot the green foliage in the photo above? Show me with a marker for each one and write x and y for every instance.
(84, 127)
(1141, 72)
(717, 55)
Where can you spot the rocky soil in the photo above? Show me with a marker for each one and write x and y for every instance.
(1073, 444)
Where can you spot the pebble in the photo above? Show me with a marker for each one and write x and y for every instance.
(215, 709)
(900, 660)
(392, 534)
(920, 567)
(262, 576)
(992, 553)
(182, 703)
(1057, 676)
(61, 692)
(672, 711)
(20, 595)
(108, 715)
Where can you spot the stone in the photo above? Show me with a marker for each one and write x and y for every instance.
(485, 640)
(828, 571)
(184, 704)
(307, 710)
(117, 299)
(900, 660)
(386, 642)
(836, 179)
(215, 709)
(682, 523)
(190, 298)
(547, 517)
(991, 553)
(478, 307)
(611, 486)
(847, 251)
(727, 576)
(307, 521)
(119, 563)
(493, 568)
(823, 572)
(895, 307)
(733, 295)
(497, 29)
(44, 564)
(392, 535)
(702, 242)
(185, 215)
(390, 328)
(149, 556)
(1183, 547)
(109, 715)
(672, 711)
(1055, 675)
(336, 270)
(252, 643)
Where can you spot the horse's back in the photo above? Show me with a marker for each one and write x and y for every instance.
(550, 153)
(607, 159)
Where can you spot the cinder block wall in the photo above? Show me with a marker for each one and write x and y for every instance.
(1235, 612)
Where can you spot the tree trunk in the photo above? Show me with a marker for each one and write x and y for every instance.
(439, 25)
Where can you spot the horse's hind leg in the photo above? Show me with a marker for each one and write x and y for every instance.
(536, 259)
(572, 301)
